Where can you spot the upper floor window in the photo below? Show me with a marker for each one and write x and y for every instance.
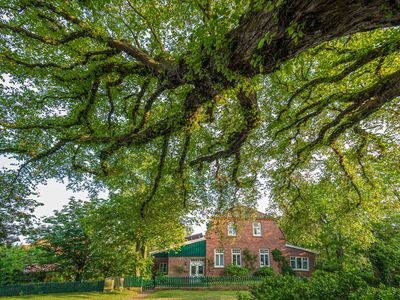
(219, 258)
(231, 229)
(264, 258)
(236, 257)
(299, 263)
(256, 228)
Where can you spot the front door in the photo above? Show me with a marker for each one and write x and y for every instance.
(196, 268)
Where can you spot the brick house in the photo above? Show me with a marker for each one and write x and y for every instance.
(230, 240)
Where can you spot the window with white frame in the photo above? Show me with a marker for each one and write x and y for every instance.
(231, 229)
(300, 263)
(163, 267)
(236, 257)
(219, 258)
(264, 258)
(256, 228)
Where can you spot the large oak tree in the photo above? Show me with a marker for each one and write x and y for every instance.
(199, 97)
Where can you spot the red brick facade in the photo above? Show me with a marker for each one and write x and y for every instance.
(271, 238)
(217, 237)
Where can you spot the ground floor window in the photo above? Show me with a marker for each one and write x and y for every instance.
(219, 258)
(299, 263)
(197, 268)
(236, 257)
(163, 267)
(264, 258)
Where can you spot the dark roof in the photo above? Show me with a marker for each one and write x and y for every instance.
(35, 268)
(194, 237)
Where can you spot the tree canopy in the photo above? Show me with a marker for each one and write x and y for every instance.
(194, 102)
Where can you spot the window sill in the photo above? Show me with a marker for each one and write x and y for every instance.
(219, 267)
(301, 270)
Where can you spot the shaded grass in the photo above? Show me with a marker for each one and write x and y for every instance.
(124, 295)
(197, 294)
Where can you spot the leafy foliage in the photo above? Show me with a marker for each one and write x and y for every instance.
(64, 238)
(264, 271)
(282, 262)
(249, 259)
(16, 212)
(189, 93)
(12, 263)
(323, 285)
(91, 240)
(193, 106)
(234, 270)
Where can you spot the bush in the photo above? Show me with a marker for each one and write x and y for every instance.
(265, 271)
(372, 293)
(322, 286)
(233, 270)
(336, 285)
(278, 287)
(284, 266)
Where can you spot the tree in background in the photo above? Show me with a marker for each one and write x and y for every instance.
(384, 253)
(117, 225)
(16, 211)
(65, 240)
(90, 240)
(12, 263)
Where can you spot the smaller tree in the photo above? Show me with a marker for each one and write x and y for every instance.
(64, 238)
(12, 263)
(384, 253)
(16, 208)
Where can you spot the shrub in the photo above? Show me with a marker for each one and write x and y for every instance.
(278, 287)
(283, 264)
(372, 293)
(322, 286)
(265, 271)
(233, 270)
(334, 285)
(249, 259)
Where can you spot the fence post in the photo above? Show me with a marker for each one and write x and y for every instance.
(108, 285)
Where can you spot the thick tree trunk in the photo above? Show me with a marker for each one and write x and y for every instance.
(141, 253)
(318, 20)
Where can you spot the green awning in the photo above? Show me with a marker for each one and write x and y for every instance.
(193, 249)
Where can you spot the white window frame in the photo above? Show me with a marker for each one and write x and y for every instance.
(196, 263)
(231, 229)
(237, 252)
(302, 260)
(264, 252)
(257, 229)
(219, 253)
(163, 265)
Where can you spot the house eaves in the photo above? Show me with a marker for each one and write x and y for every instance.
(301, 248)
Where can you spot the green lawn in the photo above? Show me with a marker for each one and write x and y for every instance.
(199, 294)
(125, 295)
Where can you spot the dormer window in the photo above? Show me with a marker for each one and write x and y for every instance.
(231, 229)
(256, 229)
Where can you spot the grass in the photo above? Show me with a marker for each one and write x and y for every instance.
(198, 294)
(124, 295)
